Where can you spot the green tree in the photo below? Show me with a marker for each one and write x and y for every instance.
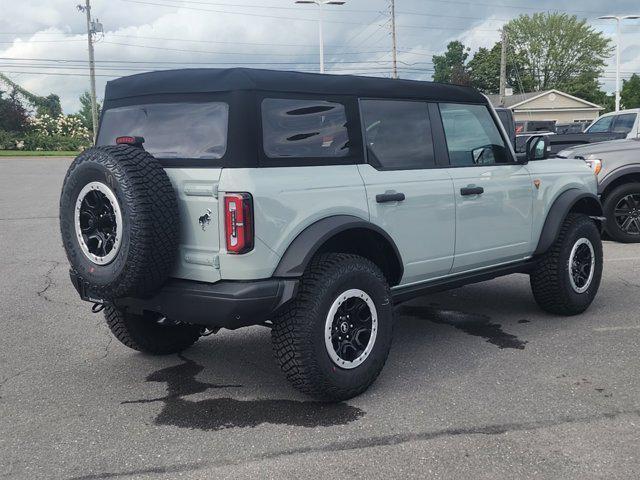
(450, 67)
(559, 50)
(85, 110)
(13, 115)
(630, 93)
(484, 71)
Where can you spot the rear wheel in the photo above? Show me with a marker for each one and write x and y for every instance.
(567, 277)
(622, 209)
(147, 333)
(334, 338)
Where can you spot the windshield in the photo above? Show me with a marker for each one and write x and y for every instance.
(171, 130)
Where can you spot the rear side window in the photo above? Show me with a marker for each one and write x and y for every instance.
(624, 123)
(171, 130)
(397, 134)
(472, 136)
(304, 128)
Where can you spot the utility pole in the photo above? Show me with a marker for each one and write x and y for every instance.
(503, 66)
(394, 39)
(91, 30)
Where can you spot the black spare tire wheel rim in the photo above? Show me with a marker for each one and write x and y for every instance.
(582, 262)
(351, 328)
(98, 223)
(627, 213)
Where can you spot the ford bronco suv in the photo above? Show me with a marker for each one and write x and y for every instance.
(312, 204)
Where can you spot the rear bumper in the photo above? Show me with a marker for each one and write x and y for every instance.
(225, 304)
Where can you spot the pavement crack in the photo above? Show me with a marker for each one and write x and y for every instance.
(48, 281)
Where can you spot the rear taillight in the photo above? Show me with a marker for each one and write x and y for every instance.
(238, 222)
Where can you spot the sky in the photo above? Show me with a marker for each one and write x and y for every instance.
(43, 43)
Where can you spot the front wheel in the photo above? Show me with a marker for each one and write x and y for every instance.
(622, 209)
(566, 279)
(334, 338)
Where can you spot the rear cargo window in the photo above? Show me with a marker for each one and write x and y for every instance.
(171, 130)
(304, 128)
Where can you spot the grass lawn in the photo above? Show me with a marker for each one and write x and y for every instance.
(43, 153)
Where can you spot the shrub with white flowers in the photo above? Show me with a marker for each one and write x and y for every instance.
(63, 125)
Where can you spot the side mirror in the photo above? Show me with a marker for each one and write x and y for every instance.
(538, 148)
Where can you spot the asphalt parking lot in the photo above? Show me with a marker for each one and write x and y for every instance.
(480, 384)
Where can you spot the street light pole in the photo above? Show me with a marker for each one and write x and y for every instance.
(618, 20)
(320, 3)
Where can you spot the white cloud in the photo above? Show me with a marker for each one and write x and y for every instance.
(60, 35)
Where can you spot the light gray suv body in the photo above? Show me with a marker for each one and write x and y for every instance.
(312, 204)
(617, 165)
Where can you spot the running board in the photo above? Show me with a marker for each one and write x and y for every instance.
(402, 294)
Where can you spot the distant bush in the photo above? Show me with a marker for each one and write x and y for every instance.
(46, 132)
(8, 140)
(40, 141)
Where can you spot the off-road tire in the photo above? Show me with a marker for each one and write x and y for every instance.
(144, 334)
(550, 280)
(610, 202)
(149, 207)
(298, 332)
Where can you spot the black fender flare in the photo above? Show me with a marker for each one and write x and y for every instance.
(588, 204)
(616, 174)
(302, 249)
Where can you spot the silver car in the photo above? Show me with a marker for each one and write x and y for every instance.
(617, 166)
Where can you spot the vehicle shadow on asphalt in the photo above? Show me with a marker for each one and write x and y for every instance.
(249, 359)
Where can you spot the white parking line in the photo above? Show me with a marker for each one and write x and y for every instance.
(616, 329)
(625, 259)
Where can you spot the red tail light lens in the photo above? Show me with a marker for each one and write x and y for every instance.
(238, 221)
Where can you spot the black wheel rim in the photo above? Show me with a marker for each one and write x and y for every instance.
(581, 265)
(627, 214)
(351, 328)
(98, 223)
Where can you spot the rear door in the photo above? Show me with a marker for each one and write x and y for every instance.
(189, 139)
(493, 194)
(408, 195)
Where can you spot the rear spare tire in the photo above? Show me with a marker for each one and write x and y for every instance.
(119, 221)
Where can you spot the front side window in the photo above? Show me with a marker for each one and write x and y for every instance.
(397, 134)
(472, 136)
(304, 128)
(171, 130)
(602, 125)
(624, 123)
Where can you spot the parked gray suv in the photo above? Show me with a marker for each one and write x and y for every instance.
(312, 204)
(617, 166)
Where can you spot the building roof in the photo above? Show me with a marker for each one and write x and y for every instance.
(520, 99)
(210, 80)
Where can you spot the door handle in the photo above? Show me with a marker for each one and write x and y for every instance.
(471, 190)
(390, 197)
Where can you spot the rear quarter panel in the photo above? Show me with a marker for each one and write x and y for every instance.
(287, 200)
(556, 175)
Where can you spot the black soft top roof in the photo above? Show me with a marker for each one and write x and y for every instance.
(210, 80)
